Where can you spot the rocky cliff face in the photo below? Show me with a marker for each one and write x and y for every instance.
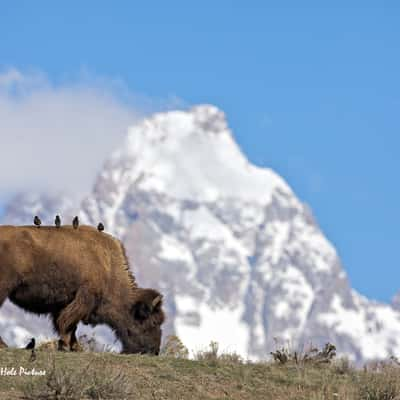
(239, 258)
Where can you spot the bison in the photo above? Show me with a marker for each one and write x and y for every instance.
(78, 275)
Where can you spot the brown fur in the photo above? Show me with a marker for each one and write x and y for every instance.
(78, 275)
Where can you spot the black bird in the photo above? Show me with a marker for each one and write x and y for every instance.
(100, 227)
(57, 221)
(37, 221)
(30, 345)
(75, 222)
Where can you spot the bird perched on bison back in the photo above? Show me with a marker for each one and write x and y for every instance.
(57, 221)
(100, 227)
(75, 222)
(37, 221)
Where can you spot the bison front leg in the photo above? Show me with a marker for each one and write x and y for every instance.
(69, 341)
(64, 339)
(74, 345)
(67, 320)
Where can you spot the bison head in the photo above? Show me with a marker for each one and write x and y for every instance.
(146, 315)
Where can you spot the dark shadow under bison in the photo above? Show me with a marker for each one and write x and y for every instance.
(78, 275)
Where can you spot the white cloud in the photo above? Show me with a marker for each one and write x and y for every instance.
(56, 137)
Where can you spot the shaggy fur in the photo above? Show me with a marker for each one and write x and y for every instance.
(78, 276)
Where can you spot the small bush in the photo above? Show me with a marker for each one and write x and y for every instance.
(57, 385)
(311, 355)
(213, 354)
(233, 358)
(105, 386)
(208, 355)
(79, 383)
(174, 347)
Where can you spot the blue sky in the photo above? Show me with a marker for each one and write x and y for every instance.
(310, 89)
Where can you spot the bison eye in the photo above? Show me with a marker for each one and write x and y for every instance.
(141, 311)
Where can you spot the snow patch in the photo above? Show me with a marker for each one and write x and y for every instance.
(372, 328)
(173, 250)
(222, 325)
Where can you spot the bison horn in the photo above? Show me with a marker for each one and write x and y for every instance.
(156, 301)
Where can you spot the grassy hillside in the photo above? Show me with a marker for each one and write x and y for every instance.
(111, 376)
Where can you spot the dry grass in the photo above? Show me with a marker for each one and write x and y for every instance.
(82, 382)
(213, 375)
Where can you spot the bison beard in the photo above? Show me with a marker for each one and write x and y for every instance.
(78, 276)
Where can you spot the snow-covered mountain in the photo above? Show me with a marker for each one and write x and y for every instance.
(24, 206)
(239, 258)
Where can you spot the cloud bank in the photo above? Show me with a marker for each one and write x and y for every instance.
(56, 137)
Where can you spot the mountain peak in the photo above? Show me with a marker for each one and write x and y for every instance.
(191, 155)
(177, 124)
(209, 118)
